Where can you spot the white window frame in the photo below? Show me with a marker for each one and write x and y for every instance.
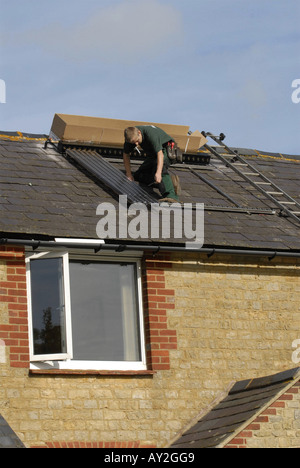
(67, 304)
(65, 360)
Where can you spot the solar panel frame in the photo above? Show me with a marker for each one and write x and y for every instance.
(112, 177)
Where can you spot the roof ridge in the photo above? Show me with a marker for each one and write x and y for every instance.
(19, 136)
(263, 382)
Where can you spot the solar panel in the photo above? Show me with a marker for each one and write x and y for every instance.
(112, 177)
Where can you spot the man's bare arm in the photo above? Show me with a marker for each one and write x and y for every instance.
(160, 163)
(126, 159)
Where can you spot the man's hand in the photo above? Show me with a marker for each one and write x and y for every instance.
(157, 177)
(130, 177)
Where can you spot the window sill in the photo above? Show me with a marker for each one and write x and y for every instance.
(91, 372)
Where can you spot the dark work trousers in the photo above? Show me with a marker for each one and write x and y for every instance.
(146, 173)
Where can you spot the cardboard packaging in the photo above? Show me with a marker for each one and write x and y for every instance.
(110, 132)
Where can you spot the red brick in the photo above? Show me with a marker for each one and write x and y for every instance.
(166, 292)
(152, 271)
(165, 360)
(245, 434)
(18, 349)
(153, 318)
(16, 263)
(285, 397)
(156, 298)
(8, 328)
(158, 326)
(160, 353)
(152, 332)
(253, 427)
(8, 298)
(20, 365)
(270, 411)
(156, 285)
(168, 332)
(21, 270)
(236, 441)
(15, 278)
(8, 284)
(18, 306)
(19, 335)
(170, 346)
(278, 404)
(19, 321)
(293, 390)
(166, 306)
(10, 270)
(160, 339)
(157, 312)
(22, 300)
(17, 292)
(162, 367)
(261, 419)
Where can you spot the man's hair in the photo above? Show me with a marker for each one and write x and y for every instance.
(130, 133)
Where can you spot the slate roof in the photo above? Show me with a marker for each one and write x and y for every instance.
(8, 439)
(245, 400)
(44, 195)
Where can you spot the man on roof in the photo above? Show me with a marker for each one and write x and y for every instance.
(154, 170)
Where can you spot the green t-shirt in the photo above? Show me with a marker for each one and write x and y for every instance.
(153, 139)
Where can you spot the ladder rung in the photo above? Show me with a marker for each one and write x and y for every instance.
(275, 193)
(296, 212)
(288, 203)
(240, 164)
(251, 173)
(263, 183)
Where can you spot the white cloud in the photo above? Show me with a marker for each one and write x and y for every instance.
(126, 32)
(254, 98)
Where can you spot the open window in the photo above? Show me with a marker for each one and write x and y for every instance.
(85, 312)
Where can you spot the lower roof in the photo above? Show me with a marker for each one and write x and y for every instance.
(245, 401)
(8, 438)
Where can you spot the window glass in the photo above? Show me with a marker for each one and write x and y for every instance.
(105, 320)
(48, 309)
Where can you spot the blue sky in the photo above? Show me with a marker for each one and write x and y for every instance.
(215, 65)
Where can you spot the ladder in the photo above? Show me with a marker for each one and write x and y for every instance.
(287, 205)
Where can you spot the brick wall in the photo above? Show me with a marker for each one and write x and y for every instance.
(13, 305)
(208, 322)
(276, 427)
(106, 445)
(157, 301)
